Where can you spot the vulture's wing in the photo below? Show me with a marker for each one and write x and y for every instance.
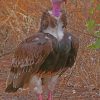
(73, 52)
(28, 57)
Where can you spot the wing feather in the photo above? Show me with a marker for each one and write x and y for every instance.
(73, 52)
(27, 59)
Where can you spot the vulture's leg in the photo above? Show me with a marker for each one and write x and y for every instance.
(38, 87)
(51, 86)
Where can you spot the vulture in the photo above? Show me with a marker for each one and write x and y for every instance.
(45, 55)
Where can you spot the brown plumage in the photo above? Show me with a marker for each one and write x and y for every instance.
(42, 54)
(48, 20)
(27, 60)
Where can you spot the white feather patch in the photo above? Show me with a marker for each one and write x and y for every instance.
(70, 38)
(58, 31)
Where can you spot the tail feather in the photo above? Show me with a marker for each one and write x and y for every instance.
(10, 88)
(14, 83)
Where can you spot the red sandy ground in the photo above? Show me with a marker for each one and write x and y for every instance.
(81, 85)
(74, 89)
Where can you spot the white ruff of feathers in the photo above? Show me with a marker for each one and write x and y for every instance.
(58, 31)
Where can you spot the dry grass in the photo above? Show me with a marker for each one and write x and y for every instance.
(19, 19)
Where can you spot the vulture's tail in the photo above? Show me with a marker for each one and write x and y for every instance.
(13, 83)
(10, 88)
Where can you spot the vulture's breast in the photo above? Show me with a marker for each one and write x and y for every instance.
(58, 57)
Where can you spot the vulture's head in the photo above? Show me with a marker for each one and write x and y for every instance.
(48, 20)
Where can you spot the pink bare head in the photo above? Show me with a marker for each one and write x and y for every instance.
(56, 4)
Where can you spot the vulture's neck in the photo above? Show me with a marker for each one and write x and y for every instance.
(57, 31)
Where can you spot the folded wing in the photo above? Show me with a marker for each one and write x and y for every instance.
(28, 57)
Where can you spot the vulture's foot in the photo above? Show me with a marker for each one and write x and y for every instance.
(40, 97)
(50, 96)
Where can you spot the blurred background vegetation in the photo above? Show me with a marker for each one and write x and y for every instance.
(19, 19)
